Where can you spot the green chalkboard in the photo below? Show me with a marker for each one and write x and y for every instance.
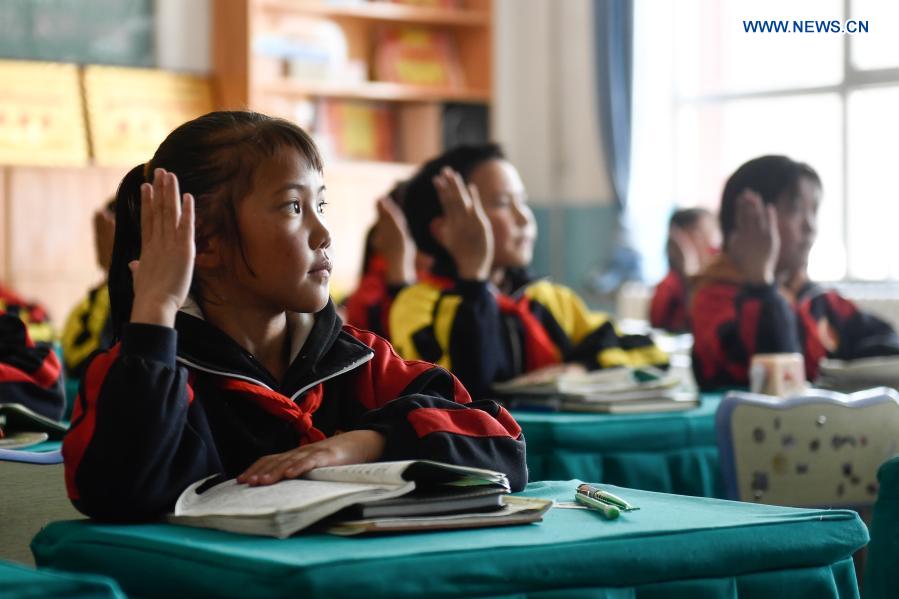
(118, 32)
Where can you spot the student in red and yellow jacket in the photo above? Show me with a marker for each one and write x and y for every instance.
(232, 359)
(756, 297)
(478, 312)
(693, 241)
(30, 373)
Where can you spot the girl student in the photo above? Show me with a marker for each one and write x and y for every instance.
(478, 311)
(231, 358)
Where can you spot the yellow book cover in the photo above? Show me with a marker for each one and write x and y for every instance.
(41, 114)
(417, 56)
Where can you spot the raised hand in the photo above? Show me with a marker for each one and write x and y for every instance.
(395, 242)
(464, 229)
(162, 275)
(755, 243)
(353, 447)
(683, 256)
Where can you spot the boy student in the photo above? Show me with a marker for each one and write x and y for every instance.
(478, 312)
(693, 240)
(756, 296)
(232, 358)
(88, 327)
(30, 373)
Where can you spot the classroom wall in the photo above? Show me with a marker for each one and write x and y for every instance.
(546, 117)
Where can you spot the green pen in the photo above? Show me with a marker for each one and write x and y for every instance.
(605, 496)
(606, 509)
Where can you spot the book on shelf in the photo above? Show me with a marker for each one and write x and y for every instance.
(613, 390)
(417, 56)
(356, 130)
(346, 495)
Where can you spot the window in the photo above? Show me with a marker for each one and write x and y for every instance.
(828, 99)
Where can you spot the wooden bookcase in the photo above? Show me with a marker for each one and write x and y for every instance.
(242, 79)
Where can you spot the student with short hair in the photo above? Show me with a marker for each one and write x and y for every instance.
(478, 311)
(30, 373)
(756, 296)
(231, 358)
(693, 240)
(88, 328)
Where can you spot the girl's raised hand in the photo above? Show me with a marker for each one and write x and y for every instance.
(755, 243)
(395, 242)
(353, 447)
(464, 228)
(162, 275)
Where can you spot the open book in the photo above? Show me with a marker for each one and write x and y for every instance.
(288, 506)
(615, 390)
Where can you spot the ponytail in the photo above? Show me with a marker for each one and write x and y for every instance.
(125, 249)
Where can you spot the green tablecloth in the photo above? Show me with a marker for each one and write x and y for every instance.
(882, 564)
(674, 546)
(671, 452)
(21, 582)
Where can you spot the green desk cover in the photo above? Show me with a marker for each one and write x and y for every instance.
(673, 546)
(21, 582)
(671, 452)
(882, 564)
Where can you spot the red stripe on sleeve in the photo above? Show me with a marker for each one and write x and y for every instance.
(79, 436)
(466, 422)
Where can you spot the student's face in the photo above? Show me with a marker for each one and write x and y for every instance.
(285, 237)
(797, 223)
(505, 202)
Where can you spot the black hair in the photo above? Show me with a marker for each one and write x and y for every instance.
(769, 176)
(686, 218)
(215, 158)
(422, 205)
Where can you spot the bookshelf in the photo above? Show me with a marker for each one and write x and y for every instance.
(244, 76)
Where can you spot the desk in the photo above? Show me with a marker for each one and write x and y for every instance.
(882, 565)
(22, 582)
(674, 546)
(32, 496)
(671, 452)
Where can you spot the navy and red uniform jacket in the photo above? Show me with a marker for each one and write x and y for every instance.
(733, 321)
(166, 407)
(30, 372)
(484, 336)
(668, 309)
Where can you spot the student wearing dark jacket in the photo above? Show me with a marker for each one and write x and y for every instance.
(30, 373)
(756, 296)
(232, 359)
(478, 312)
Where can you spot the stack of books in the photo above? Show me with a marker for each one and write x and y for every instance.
(361, 498)
(614, 391)
(854, 375)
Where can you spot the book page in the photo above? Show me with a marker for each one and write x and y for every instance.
(231, 498)
(375, 472)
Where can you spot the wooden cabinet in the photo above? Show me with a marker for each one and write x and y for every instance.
(243, 77)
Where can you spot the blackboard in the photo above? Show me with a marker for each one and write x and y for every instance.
(116, 32)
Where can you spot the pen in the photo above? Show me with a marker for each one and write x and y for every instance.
(608, 510)
(596, 493)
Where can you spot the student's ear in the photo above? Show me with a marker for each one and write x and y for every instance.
(208, 253)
